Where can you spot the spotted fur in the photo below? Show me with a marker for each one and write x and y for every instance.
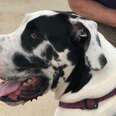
(61, 46)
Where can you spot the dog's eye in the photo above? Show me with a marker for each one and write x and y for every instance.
(34, 36)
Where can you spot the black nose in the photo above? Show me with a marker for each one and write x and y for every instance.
(102, 60)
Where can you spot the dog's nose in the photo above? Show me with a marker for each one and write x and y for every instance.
(102, 60)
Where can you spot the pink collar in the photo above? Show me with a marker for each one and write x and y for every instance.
(89, 104)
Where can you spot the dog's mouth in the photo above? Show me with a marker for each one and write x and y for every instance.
(15, 91)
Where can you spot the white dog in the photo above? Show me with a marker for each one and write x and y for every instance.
(63, 52)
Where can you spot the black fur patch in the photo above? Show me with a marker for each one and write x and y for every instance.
(49, 53)
(58, 73)
(21, 61)
(56, 28)
(80, 74)
(32, 62)
(29, 43)
(38, 62)
(78, 78)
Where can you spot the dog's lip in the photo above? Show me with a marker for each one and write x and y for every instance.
(12, 102)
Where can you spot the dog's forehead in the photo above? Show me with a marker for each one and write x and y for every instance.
(31, 16)
(91, 25)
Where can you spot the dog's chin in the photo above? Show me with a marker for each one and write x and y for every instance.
(25, 91)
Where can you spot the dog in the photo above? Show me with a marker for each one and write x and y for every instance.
(62, 52)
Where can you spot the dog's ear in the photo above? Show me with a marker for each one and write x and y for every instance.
(78, 32)
(80, 35)
(85, 35)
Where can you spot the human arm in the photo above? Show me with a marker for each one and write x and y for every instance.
(95, 11)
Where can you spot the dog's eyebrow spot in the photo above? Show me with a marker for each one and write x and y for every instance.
(49, 53)
(27, 40)
(21, 61)
(24, 63)
(38, 62)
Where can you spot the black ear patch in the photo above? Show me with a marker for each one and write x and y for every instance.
(80, 35)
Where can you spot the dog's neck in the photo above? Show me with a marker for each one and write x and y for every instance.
(101, 83)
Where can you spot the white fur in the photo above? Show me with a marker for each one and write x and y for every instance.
(102, 83)
(94, 50)
(61, 84)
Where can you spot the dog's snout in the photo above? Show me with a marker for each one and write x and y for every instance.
(103, 60)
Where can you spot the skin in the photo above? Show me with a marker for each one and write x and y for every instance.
(95, 11)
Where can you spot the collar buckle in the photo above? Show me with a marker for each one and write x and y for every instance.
(91, 104)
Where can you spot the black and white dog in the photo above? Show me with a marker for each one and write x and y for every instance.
(63, 52)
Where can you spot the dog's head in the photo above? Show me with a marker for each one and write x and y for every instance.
(47, 46)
